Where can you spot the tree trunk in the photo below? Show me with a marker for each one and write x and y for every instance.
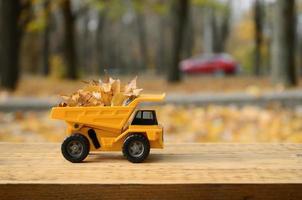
(258, 19)
(140, 19)
(283, 44)
(100, 42)
(69, 41)
(45, 42)
(222, 28)
(299, 49)
(181, 10)
(10, 38)
(215, 29)
(85, 57)
(188, 38)
(162, 48)
(209, 30)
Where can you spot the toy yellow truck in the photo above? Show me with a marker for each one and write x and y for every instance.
(115, 128)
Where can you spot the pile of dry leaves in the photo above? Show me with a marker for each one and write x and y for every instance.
(106, 92)
(212, 123)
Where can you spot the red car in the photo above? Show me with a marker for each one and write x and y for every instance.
(210, 64)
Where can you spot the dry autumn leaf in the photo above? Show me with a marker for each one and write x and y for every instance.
(105, 92)
(118, 99)
(131, 88)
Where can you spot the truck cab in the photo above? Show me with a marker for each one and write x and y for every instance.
(144, 117)
(145, 122)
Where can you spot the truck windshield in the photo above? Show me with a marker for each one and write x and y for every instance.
(145, 117)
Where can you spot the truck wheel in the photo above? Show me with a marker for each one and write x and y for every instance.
(136, 148)
(75, 148)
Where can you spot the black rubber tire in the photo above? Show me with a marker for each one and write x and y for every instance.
(136, 138)
(75, 138)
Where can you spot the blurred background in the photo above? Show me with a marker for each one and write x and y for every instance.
(231, 68)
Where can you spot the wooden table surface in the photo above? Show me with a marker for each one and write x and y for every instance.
(180, 171)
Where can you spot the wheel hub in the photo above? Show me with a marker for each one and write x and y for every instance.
(136, 149)
(75, 148)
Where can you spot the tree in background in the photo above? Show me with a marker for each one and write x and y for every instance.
(46, 38)
(180, 9)
(283, 43)
(161, 8)
(222, 28)
(258, 19)
(189, 37)
(69, 40)
(125, 36)
(216, 25)
(102, 14)
(14, 16)
(139, 9)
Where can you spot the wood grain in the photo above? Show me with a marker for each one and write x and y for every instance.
(180, 171)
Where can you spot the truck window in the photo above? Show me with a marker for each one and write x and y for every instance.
(148, 115)
(145, 117)
(138, 114)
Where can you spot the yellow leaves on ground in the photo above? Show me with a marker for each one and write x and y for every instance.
(30, 127)
(247, 124)
(106, 92)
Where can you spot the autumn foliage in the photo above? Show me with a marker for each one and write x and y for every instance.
(106, 92)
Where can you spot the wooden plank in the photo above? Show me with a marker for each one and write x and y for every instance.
(185, 171)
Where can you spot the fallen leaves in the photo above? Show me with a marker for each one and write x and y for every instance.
(246, 124)
(106, 92)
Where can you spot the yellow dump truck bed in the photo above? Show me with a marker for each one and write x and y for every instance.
(113, 117)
